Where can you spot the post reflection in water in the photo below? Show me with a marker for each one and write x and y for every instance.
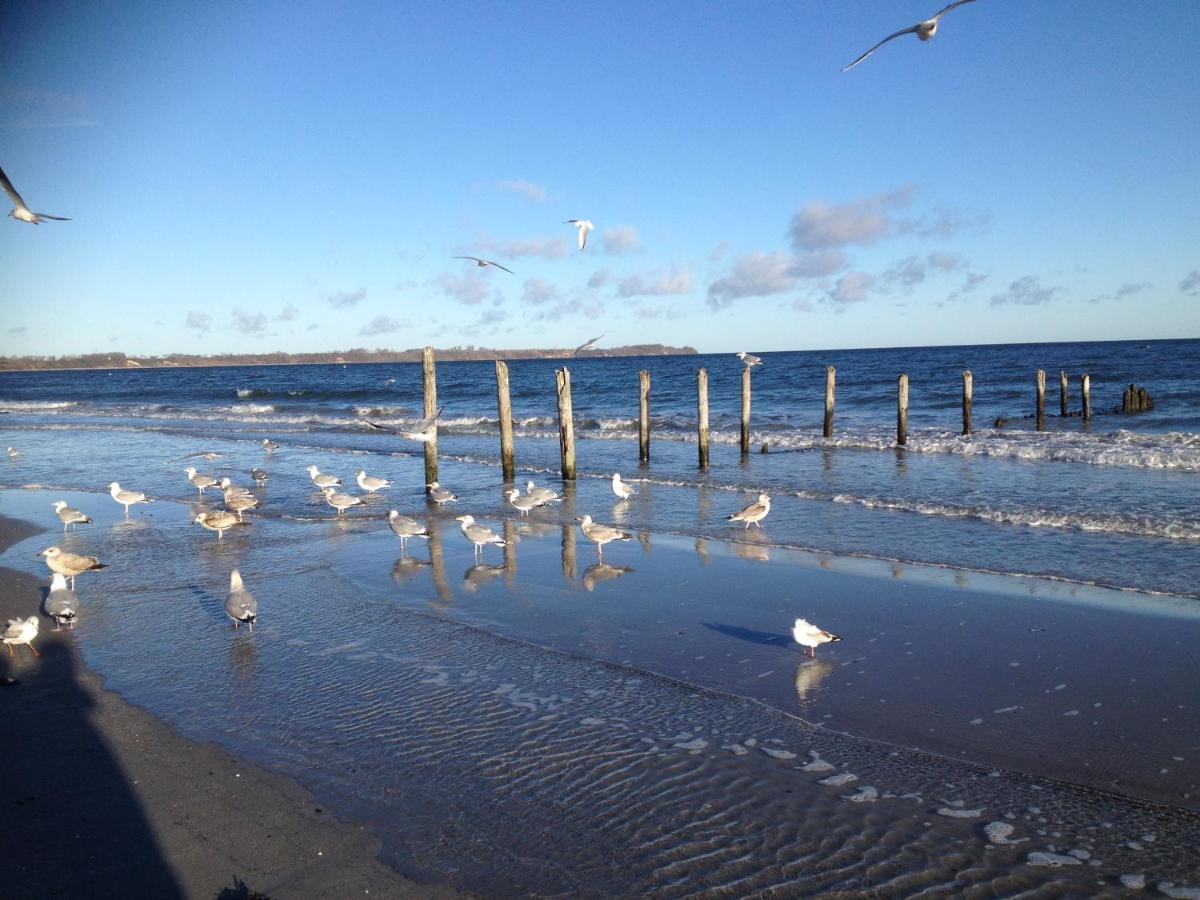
(643, 538)
(702, 551)
(809, 675)
(437, 560)
(704, 502)
(601, 571)
(510, 552)
(568, 552)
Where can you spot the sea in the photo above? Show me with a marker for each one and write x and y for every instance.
(644, 716)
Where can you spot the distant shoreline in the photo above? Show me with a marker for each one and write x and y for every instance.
(346, 357)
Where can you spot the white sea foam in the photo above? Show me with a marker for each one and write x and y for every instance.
(36, 405)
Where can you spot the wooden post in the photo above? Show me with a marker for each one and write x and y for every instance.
(429, 369)
(745, 409)
(644, 416)
(830, 384)
(1041, 399)
(968, 390)
(566, 423)
(1063, 409)
(702, 415)
(508, 457)
(902, 411)
(1085, 384)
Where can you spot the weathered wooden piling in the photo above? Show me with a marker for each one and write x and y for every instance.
(830, 385)
(508, 456)
(902, 411)
(1041, 399)
(702, 415)
(566, 423)
(1063, 408)
(1085, 388)
(644, 416)
(968, 391)
(745, 441)
(429, 371)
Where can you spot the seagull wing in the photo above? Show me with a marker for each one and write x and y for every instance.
(426, 423)
(912, 30)
(55, 218)
(12, 191)
(498, 266)
(476, 258)
(950, 7)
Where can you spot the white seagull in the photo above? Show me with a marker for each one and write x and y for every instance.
(198, 479)
(424, 431)
(484, 263)
(13, 452)
(127, 498)
(620, 488)
(923, 30)
(20, 210)
(584, 226)
(541, 493)
(69, 516)
(754, 513)
(239, 503)
(322, 480)
(479, 535)
(601, 534)
(61, 603)
(523, 504)
(404, 528)
(69, 564)
(340, 502)
(812, 637)
(749, 359)
(440, 495)
(218, 520)
(269, 446)
(370, 483)
(233, 490)
(260, 476)
(21, 631)
(586, 345)
(240, 605)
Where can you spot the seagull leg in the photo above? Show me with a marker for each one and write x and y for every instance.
(35, 650)
(9, 646)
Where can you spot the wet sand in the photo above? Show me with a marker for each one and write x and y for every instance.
(103, 799)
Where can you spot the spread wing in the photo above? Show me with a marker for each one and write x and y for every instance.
(912, 30)
(950, 7)
(12, 192)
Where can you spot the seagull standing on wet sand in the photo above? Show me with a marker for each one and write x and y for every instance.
(21, 631)
(370, 483)
(524, 504)
(812, 637)
(69, 516)
(322, 480)
(340, 502)
(541, 493)
(127, 498)
(584, 226)
(240, 605)
(439, 494)
(620, 488)
(749, 359)
(923, 30)
(239, 503)
(754, 513)
(69, 564)
(484, 263)
(218, 520)
(601, 534)
(479, 535)
(61, 603)
(20, 210)
(404, 528)
(198, 479)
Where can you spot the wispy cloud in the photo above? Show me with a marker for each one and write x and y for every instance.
(345, 299)
(621, 239)
(1191, 282)
(534, 192)
(969, 285)
(1026, 291)
(947, 222)
(538, 291)
(248, 322)
(640, 285)
(913, 270)
(1130, 288)
(853, 287)
(470, 290)
(755, 275)
(289, 313)
(381, 325)
(599, 278)
(30, 108)
(540, 248)
(864, 221)
(198, 321)
(19, 331)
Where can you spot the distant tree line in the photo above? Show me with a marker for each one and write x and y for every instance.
(354, 355)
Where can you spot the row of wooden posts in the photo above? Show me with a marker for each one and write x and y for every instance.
(566, 420)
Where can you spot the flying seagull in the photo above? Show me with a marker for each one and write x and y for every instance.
(810, 636)
(584, 226)
(923, 30)
(423, 431)
(21, 211)
(484, 263)
(586, 345)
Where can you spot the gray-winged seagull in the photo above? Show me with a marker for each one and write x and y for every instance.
(923, 30)
(20, 210)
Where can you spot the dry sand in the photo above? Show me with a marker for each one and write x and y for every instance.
(103, 799)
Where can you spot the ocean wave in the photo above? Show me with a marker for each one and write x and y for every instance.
(252, 408)
(246, 393)
(36, 405)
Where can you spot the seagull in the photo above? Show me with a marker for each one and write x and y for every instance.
(423, 431)
(440, 495)
(524, 504)
(21, 631)
(233, 490)
(923, 30)
(479, 535)
(601, 534)
(260, 476)
(340, 502)
(541, 493)
(69, 516)
(269, 446)
(370, 483)
(322, 480)
(484, 263)
(586, 345)
(240, 605)
(21, 211)
(749, 359)
(584, 226)
(239, 503)
(810, 636)
(69, 564)
(218, 520)
(13, 452)
(61, 603)
(620, 488)
(404, 528)
(754, 513)
(127, 498)
(200, 480)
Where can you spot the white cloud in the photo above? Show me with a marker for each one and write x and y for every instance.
(1191, 282)
(638, 285)
(534, 192)
(599, 278)
(541, 248)
(538, 291)
(469, 289)
(344, 299)
(852, 287)
(248, 323)
(756, 275)
(865, 221)
(621, 239)
(381, 325)
(288, 313)
(199, 321)
(1026, 291)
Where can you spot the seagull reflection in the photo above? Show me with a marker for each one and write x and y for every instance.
(643, 538)
(810, 674)
(756, 552)
(243, 656)
(702, 551)
(598, 572)
(407, 567)
(480, 574)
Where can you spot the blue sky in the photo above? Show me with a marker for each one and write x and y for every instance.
(250, 177)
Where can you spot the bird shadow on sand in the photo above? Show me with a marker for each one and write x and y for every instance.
(749, 634)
